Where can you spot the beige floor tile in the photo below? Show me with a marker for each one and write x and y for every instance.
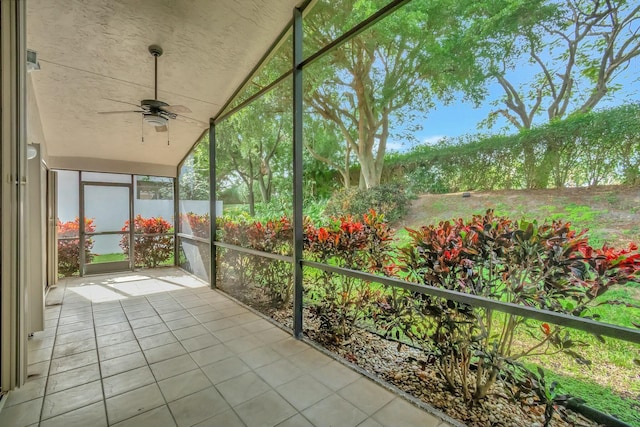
(164, 352)
(310, 360)
(182, 385)
(230, 334)
(113, 328)
(370, 422)
(85, 334)
(225, 419)
(145, 321)
(259, 357)
(127, 381)
(401, 412)
(74, 361)
(335, 375)
(21, 415)
(206, 308)
(179, 313)
(366, 395)
(289, 347)
(266, 410)
(190, 332)
(210, 355)
(70, 399)
(158, 417)
(199, 342)
(115, 338)
(303, 392)
(32, 389)
(279, 372)
(156, 340)
(74, 327)
(335, 411)
(272, 335)
(218, 325)
(117, 350)
(110, 320)
(73, 378)
(198, 407)
(171, 367)
(182, 322)
(242, 388)
(93, 415)
(225, 369)
(78, 318)
(133, 403)
(295, 421)
(147, 331)
(63, 350)
(40, 355)
(122, 364)
(244, 344)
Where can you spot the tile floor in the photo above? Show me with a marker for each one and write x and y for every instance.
(159, 348)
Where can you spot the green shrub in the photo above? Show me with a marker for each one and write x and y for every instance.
(69, 246)
(389, 200)
(545, 266)
(152, 245)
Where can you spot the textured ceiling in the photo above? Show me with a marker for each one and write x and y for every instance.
(90, 50)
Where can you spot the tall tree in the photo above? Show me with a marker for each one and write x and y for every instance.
(580, 48)
(252, 145)
(380, 79)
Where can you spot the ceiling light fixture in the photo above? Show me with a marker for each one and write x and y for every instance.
(155, 119)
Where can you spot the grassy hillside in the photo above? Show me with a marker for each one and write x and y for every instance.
(611, 213)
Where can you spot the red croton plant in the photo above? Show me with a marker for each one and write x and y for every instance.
(69, 245)
(152, 245)
(548, 266)
(365, 244)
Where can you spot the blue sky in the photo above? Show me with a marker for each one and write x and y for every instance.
(460, 118)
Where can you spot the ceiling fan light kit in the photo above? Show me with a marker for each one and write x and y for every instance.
(155, 112)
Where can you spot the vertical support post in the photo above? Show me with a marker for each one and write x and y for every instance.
(13, 230)
(177, 220)
(212, 204)
(81, 234)
(132, 227)
(298, 236)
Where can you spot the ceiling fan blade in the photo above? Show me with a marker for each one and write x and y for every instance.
(176, 109)
(190, 120)
(161, 128)
(122, 102)
(120, 112)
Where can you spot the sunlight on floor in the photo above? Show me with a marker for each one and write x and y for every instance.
(144, 287)
(186, 281)
(97, 293)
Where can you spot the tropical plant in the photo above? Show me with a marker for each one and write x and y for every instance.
(152, 245)
(339, 302)
(69, 245)
(547, 266)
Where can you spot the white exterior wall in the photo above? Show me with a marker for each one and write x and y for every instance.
(69, 205)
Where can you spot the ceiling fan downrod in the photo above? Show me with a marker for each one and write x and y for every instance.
(155, 51)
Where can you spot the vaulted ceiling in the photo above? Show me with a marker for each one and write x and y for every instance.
(92, 52)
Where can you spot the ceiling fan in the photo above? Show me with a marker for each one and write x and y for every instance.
(155, 112)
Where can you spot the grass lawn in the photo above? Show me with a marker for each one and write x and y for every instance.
(100, 258)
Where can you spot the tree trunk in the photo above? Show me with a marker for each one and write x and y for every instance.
(369, 172)
(252, 198)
